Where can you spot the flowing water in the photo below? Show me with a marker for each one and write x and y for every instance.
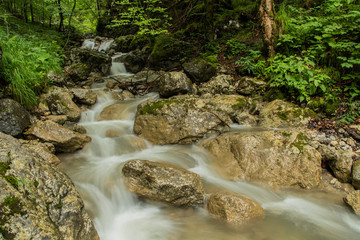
(118, 214)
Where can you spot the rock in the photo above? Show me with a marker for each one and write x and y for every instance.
(279, 113)
(56, 78)
(116, 111)
(168, 121)
(355, 174)
(199, 70)
(78, 72)
(84, 96)
(353, 200)
(234, 209)
(59, 101)
(173, 83)
(221, 84)
(37, 201)
(163, 182)
(134, 61)
(63, 139)
(276, 158)
(13, 117)
(339, 161)
(249, 86)
(45, 150)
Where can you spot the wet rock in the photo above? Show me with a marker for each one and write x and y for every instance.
(163, 182)
(45, 150)
(134, 61)
(59, 100)
(37, 201)
(59, 119)
(279, 113)
(168, 121)
(13, 117)
(353, 200)
(84, 96)
(249, 86)
(173, 83)
(63, 139)
(275, 158)
(221, 84)
(199, 70)
(234, 209)
(339, 161)
(356, 174)
(116, 111)
(56, 78)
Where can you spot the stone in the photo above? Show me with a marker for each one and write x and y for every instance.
(221, 84)
(63, 139)
(59, 100)
(275, 158)
(13, 117)
(56, 78)
(134, 61)
(174, 83)
(45, 150)
(234, 209)
(116, 111)
(340, 162)
(169, 121)
(84, 96)
(163, 182)
(280, 114)
(353, 200)
(199, 70)
(250, 86)
(355, 174)
(60, 119)
(37, 201)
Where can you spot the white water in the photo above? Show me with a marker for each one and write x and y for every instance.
(105, 46)
(118, 214)
(89, 43)
(118, 68)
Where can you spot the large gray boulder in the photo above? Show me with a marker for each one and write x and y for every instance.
(13, 117)
(199, 70)
(275, 158)
(163, 182)
(62, 138)
(174, 83)
(37, 201)
(179, 120)
(234, 209)
(59, 101)
(221, 84)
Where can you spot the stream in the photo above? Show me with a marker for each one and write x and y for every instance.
(119, 214)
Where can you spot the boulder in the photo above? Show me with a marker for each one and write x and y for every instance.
(221, 84)
(134, 61)
(279, 114)
(116, 111)
(173, 83)
(13, 117)
(339, 161)
(234, 209)
(356, 174)
(353, 200)
(59, 100)
(45, 150)
(37, 201)
(178, 120)
(163, 182)
(63, 139)
(199, 70)
(249, 86)
(276, 158)
(84, 96)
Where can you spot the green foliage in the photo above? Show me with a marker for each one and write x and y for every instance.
(252, 64)
(147, 15)
(26, 60)
(234, 47)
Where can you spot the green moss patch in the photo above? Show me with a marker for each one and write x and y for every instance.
(9, 207)
(153, 108)
(241, 104)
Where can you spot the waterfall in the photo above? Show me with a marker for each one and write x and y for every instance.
(105, 46)
(118, 68)
(89, 43)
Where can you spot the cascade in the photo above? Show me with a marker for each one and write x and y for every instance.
(118, 214)
(89, 43)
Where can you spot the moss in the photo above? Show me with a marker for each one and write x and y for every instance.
(331, 108)
(36, 184)
(13, 181)
(59, 205)
(286, 134)
(273, 94)
(153, 107)
(3, 168)
(295, 113)
(283, 115)
(9, 207)
(316, 104)
(241, 104)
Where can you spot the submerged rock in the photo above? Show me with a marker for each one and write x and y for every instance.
(13, 117)
(234, 209)
(169, 121)
(37, 201)
(353, 200)
(276, 158)
(63, 139)
(163, 182)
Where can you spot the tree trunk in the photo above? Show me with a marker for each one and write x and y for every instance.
(61, 15)
(25, 11)
(267, 16)
(31, 11)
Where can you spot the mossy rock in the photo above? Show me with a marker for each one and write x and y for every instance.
(331, 108)
(168, 52)
(199, 70)
(317, 104)
(273, 94)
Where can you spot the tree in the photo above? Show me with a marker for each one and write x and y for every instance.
(267, 20)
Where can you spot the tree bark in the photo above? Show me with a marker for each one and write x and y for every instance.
(61, 15)
(32, 11)
(267, 16)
